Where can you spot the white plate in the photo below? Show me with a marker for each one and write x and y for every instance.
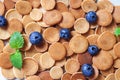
(115, 2)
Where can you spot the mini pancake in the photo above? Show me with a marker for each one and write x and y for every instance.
(100, 77)
(117, 74)
(60, 63)
(96, 73)
(12, 13)
(116, 49)
(66, 76)
(8, 73)
(18, 73)
(31, 27)
(110, 77)
(36, 14)
(104, 18)
(43, 24)
(107, 72)
(116, 15)
(72, 66)
(69, 51)
(89, 5)
(84, 58)
(90, 32)
(1, 45)
(105, 4)
(92, 39)
(35, 3)
(56, 72)
(116, 63)
(74, 33)
(31, 52)
(45, 75)
(98, 30)
(57, 51)
(27, 44)
(23, 7)
(9, 4)
(110, 27)
(66, 2)
(26, 19)
(103, 58)
(15, 0)
(78, 44)
(41, 47)
(74, 56)
(37, 56)
(113, 54)
(28, 68)
(81, 25)
(8, 49)
(60, 6)
(33, 77)
(46, 61)
(77, 76)
(14, 25)
(77, 13)
(67, 21)
(45, 5)
(75, 3)
(5, 60)
(106, 40)
(4, 34)
(51, 35)
(52, 17)
(2, 8)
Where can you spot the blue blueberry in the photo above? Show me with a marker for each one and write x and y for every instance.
(35, 38)
(65, 33)
(3, 21)
(87, 70)
(91, 17)
(93, 50)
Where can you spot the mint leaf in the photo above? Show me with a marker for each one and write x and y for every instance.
(117, 31)
(16, 59)
(16, 40)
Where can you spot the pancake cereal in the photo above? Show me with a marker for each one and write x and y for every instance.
(28, 69)
(56, 72)
(23, 7)
(45, 75)
(68, 39)
(46, 6)
(2, 8)
(72, 66)
(12, 13)
(8, 73)
(60, 6)
(46, 61)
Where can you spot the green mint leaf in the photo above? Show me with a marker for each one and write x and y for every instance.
(117, 31)
(16, 40)
(16, 59)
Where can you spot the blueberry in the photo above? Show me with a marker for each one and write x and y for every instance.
(35, 38)
(3, 21)
(65, 33)
(91, 17)
(93, 50)
(87, 70)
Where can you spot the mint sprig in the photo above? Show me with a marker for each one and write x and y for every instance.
(16, 40)
(117, 31)
(16, 59)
